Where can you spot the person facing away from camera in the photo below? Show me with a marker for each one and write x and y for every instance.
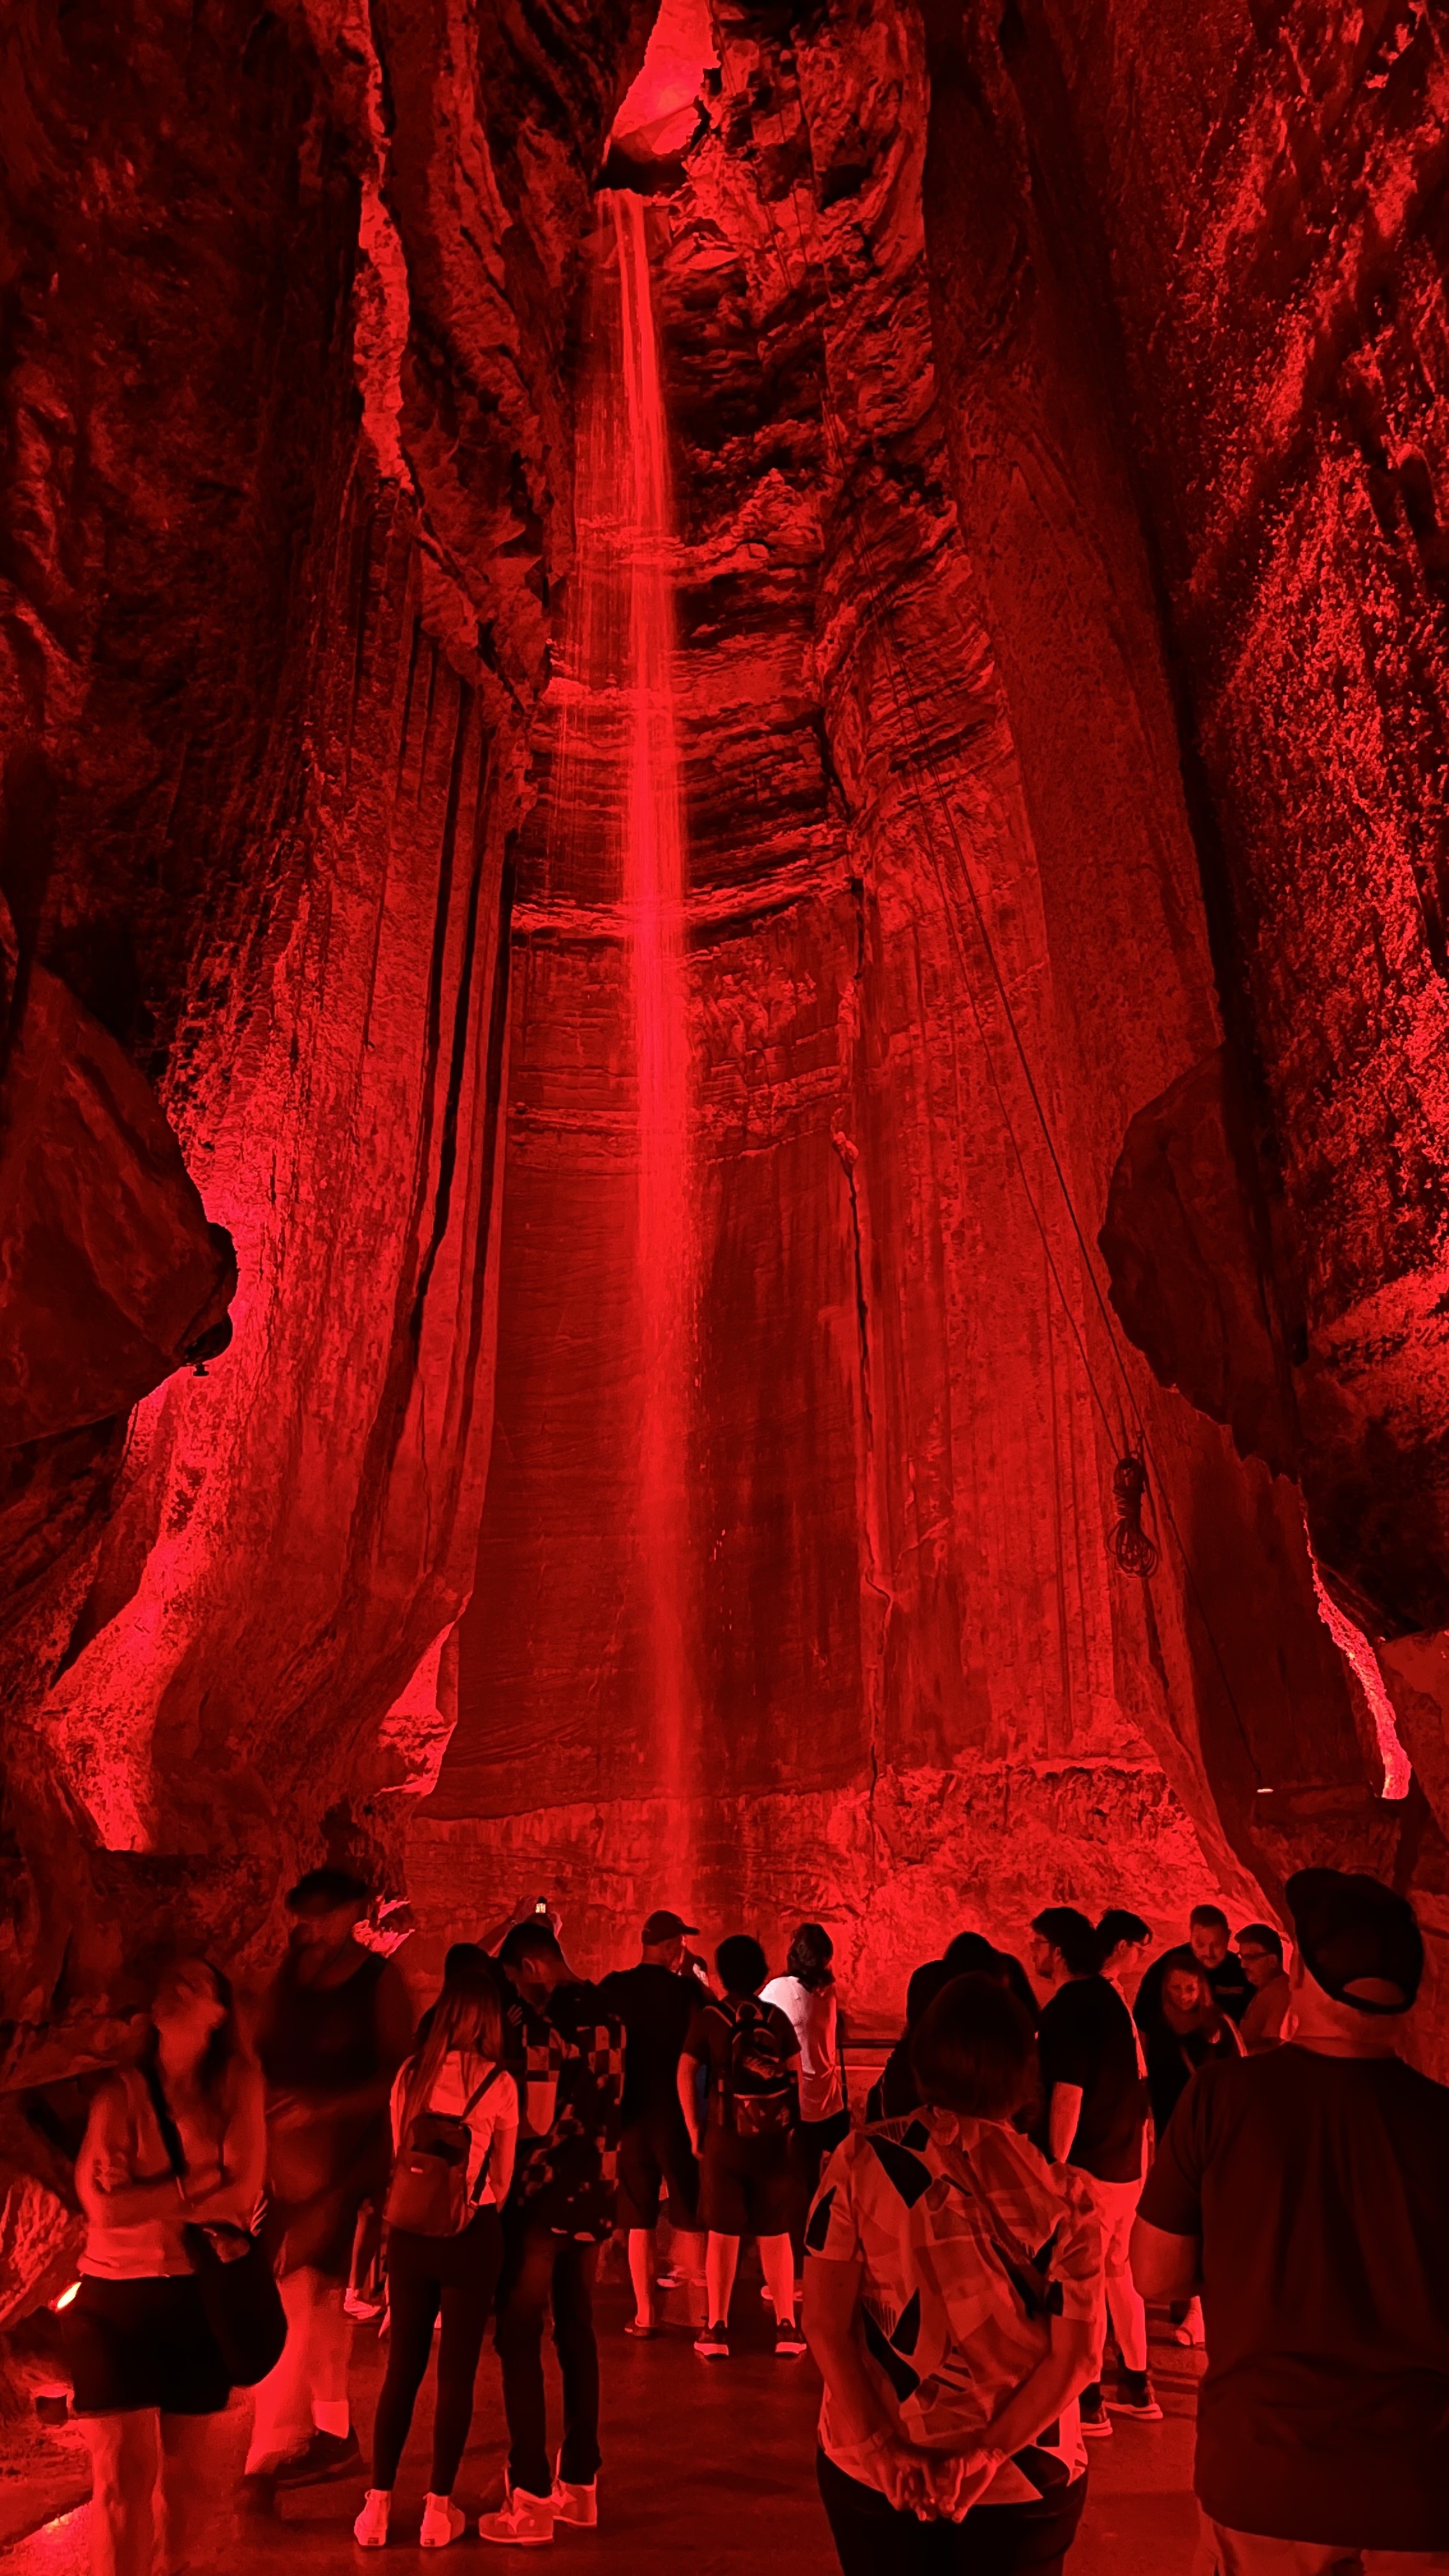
(1303, 2193)
(951, 2446)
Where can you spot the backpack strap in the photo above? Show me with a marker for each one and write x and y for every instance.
(727, 2081)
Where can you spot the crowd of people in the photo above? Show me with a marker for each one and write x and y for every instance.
(1206, 2130)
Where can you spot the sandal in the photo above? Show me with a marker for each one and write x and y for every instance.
(644, 2333)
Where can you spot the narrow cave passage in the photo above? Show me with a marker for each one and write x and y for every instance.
(722, 1166)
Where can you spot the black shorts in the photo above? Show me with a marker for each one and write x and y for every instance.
(746, 2185)
(133, 2344)
(655, 2158)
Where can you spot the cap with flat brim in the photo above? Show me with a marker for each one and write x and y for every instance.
(1355, 1932)
(665, 1926)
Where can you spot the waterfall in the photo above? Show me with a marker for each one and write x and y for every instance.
(616, 842)
(653, 894)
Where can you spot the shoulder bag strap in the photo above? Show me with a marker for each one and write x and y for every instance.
(471, 2104)
(475, 2098)
(165, 2121)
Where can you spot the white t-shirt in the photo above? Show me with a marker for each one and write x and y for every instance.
(811, 2011)
(457, 2078)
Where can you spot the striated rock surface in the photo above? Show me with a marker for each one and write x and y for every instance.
(1269, 239)
(286, 416)
(946, 939)
(1058, 452)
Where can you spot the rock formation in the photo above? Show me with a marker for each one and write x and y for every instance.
(1058, 451)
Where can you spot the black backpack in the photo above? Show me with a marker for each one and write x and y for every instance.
(757, 2091)
(428, 2194)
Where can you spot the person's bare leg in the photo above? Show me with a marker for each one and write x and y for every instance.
(125, 2472)
(641, 2273)
(331, 2353)
(282, 2421)
(686, 2247)
(721, 2262)
(188, 2492)
(777, 2262)
(1129, 2316)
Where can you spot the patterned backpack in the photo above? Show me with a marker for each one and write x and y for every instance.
(757, 2091)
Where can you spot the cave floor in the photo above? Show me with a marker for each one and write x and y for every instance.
(709, 2466)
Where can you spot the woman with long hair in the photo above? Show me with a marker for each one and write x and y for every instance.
(806, 1995)
(951, 2289)
(454, 2083)
(1192, 2031)
(147, 2374)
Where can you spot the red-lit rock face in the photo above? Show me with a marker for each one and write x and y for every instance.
(924, 1691)
(1059, 604)
(286, 422)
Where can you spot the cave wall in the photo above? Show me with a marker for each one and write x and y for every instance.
(1058, 432)
(929, 735)
(1213, 335)
(289, 454)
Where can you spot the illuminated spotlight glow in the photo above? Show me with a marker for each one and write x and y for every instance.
(65, 2298)
(1356, 1651)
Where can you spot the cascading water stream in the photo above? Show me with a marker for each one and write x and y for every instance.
(616, 841)
(653, 892)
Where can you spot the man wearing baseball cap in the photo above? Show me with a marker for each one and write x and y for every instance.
(1306, 2194)
(654, 2001)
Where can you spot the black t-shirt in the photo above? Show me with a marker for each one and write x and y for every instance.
(655, 2007)
(1232, 1988)
(1173, 2059)
(1320, 2189)
(1086, 2038)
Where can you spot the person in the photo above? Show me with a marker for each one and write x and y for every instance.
(952, 2280)
(1207, 1948)
(1123, 1940)
(655, 2002)
(806, 1996)
(454, 2075)
(149, 2381)
(894, 2090)
(569, 2047)
(1303, 2192)
(1094, 2120)
(461, 1959)
(1189, 2032)
(335, 2027)
(751, 2056)
(971, 1954)
(1261, 1950)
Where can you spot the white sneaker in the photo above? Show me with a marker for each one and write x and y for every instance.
(370, 2529)
(526, 2521)
(442, 2523)
(575, 2504)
